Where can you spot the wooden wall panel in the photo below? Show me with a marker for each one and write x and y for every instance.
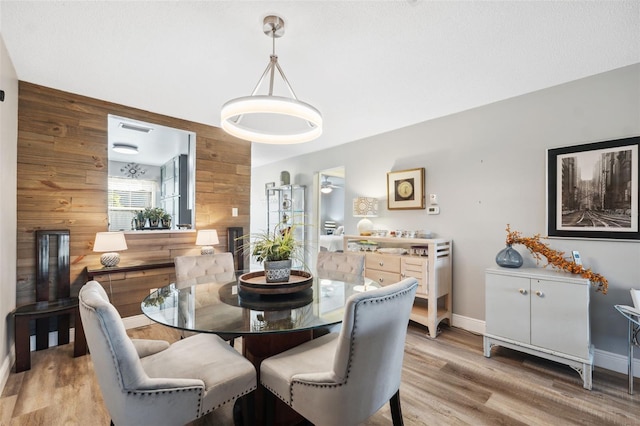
(62, 184)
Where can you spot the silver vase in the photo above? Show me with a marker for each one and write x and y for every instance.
(277, 271)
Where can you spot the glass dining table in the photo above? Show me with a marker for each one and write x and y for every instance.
(268, 323)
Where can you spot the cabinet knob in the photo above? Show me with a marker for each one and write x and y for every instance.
(539, 293)
(522, 291)
(381, 263)
(403, 276)
(381, 280)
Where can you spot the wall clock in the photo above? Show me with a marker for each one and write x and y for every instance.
(133, 170)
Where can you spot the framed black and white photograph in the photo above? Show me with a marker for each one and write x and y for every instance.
(405, 189)
(592, 190)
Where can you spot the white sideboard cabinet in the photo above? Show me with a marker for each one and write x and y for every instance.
(432, 270)
(542, 312)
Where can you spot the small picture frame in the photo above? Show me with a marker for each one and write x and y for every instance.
(593, 191)
(405, 190)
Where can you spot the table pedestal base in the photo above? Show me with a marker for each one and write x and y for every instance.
(258, 347)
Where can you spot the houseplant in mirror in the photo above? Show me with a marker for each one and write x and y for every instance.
(139, 220)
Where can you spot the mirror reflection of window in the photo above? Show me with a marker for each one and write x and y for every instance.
(150, 167)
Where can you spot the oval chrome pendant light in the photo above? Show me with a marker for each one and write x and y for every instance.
(268, 118)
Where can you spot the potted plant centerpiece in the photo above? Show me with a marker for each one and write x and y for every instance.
(276, 249)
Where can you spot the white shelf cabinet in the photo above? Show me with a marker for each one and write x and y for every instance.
(286, 207)
(433, 299)
(541, 312)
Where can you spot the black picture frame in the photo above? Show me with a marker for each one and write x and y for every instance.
(592, 190)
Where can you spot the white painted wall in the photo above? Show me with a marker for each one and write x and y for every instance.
(8, 220)
(487, 166)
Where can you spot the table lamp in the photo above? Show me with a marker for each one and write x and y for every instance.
(365, 207)
(110, 243)
(207, 238)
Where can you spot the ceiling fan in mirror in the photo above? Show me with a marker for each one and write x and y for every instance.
(326, 186)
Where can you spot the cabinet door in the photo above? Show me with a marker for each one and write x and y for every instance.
(507, 307)
(415, 267)
(560, 317)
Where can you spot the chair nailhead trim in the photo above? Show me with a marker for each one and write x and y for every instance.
(248, 391)
(402, 293)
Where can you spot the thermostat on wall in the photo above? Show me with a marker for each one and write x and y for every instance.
(433, 210)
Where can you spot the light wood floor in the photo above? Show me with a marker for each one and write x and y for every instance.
(446, 381)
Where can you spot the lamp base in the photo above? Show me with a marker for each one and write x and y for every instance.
(205, 250)
(109, 260)
(365, 226)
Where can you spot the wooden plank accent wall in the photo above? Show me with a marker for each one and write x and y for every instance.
(62, 184)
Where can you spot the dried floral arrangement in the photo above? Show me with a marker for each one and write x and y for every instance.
(555, 258)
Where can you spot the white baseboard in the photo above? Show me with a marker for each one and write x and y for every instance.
(136, 321)
(129, 322)
(470, 324)
(603, 359)
(615, 362)
(53, 339)
(5, 368)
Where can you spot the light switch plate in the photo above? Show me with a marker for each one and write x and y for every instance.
(433, 199)
(433, 210)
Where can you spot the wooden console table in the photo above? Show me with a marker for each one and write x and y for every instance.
(92, 273)
(130, 282)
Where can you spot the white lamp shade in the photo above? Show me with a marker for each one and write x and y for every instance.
(207, 237)
(109, 241)
(365, 207)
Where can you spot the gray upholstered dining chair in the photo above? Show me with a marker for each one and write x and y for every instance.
(152, 382)
(191, 270)
(632, 314)
(343, 378)
(335, 265)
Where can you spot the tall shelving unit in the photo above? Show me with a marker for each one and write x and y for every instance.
(286, 207)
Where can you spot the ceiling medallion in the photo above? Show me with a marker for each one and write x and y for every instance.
(133, 170)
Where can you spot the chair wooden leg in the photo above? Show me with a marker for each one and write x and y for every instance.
(269, 403)
(248, 409)
(396, 411)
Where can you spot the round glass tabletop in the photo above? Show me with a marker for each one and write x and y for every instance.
(218, 306)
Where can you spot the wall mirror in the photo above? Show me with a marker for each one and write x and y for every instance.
(331, 205)
(151, 167)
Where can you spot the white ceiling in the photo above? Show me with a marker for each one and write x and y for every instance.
(368, 66)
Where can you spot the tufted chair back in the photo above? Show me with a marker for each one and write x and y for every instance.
(192, 270)
(337, 266)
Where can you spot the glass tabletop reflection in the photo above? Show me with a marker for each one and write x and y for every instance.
(217, 305)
